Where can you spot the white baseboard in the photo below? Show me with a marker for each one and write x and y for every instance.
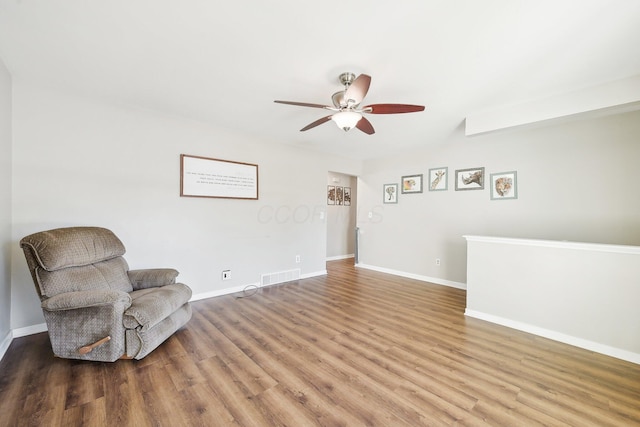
(557, 336)
(235, 289)
(225, 291)
(30, 330)
(20, 332)
(314, 274)
(339, 257)
(422, 278)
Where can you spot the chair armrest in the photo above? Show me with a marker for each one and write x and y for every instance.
(152, 277)
(83, 299)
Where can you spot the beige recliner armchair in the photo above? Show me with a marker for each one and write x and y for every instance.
(94, 306)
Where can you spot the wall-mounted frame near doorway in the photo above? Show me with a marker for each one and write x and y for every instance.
(390, 193)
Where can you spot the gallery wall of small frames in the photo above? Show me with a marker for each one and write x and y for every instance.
(337, 195)
(502, 185)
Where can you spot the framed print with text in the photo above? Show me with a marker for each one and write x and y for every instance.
(206, 177)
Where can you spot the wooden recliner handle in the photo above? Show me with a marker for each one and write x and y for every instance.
(87, 348)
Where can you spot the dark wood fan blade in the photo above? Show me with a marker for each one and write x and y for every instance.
(316, 123)
(358, 89)
(392, 108)
(302, 104)
(365, 126)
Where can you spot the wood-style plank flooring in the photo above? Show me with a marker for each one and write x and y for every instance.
(354, 348)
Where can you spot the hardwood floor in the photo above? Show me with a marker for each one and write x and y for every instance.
(354, 348)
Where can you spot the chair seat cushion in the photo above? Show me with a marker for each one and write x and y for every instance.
(150, 306)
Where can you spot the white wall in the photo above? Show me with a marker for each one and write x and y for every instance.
(341, 219)
(79, 162)
(576, 181)
(5, 204)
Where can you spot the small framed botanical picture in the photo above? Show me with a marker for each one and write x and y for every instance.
(438, 179)
(470, 179)
(339, 195)
(504, 185)
(331, 194)
(347, 196)
(412, 184)
(390, 193)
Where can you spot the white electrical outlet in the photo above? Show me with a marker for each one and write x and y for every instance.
(438, 261)
(226, 275)
(297, 259)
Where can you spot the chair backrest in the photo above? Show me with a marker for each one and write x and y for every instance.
(76, 259)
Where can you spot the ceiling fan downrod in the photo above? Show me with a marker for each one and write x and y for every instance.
(338, 98)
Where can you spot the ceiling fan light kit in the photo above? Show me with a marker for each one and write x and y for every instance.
(347, 113)
(346, 119)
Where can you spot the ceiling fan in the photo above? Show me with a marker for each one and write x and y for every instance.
(346, 105)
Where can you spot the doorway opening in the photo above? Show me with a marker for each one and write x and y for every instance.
(342, 192)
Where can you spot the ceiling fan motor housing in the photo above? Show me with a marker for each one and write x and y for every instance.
(338, 99)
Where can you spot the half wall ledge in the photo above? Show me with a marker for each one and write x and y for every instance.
(583, 294)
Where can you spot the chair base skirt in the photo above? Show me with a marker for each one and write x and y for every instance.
(139, 343)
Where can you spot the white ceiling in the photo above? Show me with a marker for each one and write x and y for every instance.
(225, 62)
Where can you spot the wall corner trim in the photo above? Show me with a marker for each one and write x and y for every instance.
(20, 332)
(5, 343)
